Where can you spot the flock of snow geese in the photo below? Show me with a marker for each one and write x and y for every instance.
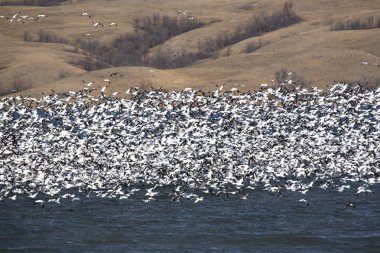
(17, 18)
(189, 145)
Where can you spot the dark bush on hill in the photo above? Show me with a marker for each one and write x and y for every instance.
(47, 37)
(90, 64)
(357, 24)
(18, 84)
(253, 46)
(283, 76)
(257, 26)
(150, 31)
(165, 59)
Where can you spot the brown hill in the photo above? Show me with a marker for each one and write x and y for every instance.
(310, 48)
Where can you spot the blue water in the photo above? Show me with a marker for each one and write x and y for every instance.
(262, 223)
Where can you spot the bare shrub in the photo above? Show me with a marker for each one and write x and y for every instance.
(281, 76)
(246, 6)
(129, 49)
(165, 59)
(27, 36)
(62, 74)
(73, 50)
(18, 84)
(89, 64)
(44, 37)
(227, 52)
(150, 31)
(93, 47)
(264, 23)
(290, 78)
(257, 25)
(4, 90)
(161, 59)
(357, 24)
(208, 48)
(253, 46)
(163, 27)
(145, 85)
(47, 37)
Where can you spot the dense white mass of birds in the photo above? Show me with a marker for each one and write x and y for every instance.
(189, 145)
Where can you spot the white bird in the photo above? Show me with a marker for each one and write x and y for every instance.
(57, 201)
(198, 199)
(290, 82)
(304, 201)
(349, 204)
(88, 84)
(362, 189)
(113, 24)
(103, 89)
(33, 195)
(97, 23)
(40, 202)
(67, 195)
(343, 187)
(40, 16)
(150, 192)
(76, 199)
(149, 199)
(183, 12)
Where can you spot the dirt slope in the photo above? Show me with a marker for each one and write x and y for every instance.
(308, 48)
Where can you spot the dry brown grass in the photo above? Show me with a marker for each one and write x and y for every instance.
(308, 48)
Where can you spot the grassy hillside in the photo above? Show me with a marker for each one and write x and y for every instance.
(178, 44)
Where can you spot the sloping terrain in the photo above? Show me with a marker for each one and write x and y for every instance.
(309, 48)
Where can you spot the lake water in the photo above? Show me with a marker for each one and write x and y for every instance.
(262, 223)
